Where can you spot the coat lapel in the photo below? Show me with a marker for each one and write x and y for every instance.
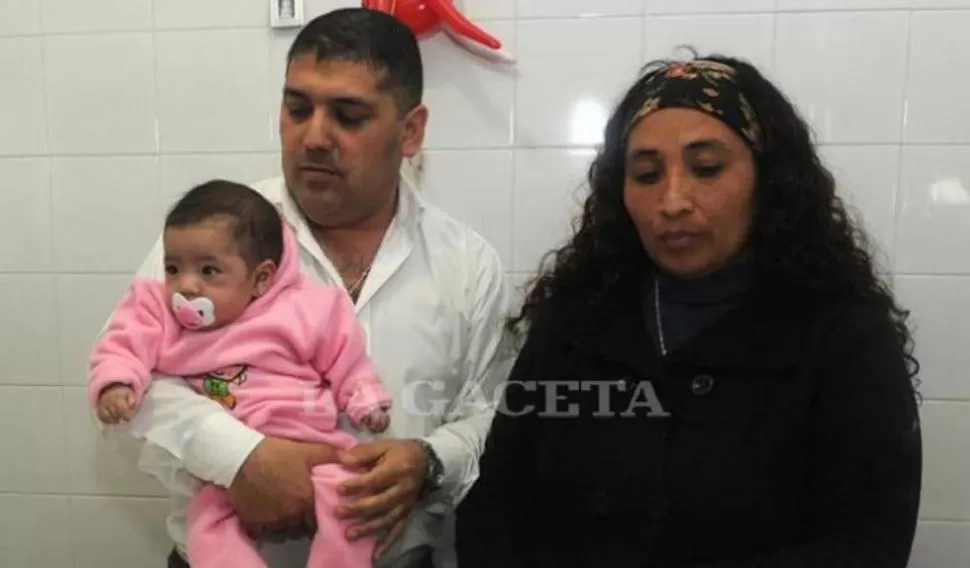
(765, 331)
(615, 331)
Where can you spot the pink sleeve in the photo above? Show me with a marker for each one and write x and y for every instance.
(341, 359)
(128, 349)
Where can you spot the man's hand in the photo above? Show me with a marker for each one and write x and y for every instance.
(382, 498)
(272, 491)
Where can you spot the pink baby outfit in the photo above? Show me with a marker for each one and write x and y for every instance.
(285, 367)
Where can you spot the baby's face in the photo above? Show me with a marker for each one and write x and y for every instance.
(203, 260)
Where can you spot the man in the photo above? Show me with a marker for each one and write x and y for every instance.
(429, 293)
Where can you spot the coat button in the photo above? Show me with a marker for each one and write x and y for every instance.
(599, 504)
(701, 385)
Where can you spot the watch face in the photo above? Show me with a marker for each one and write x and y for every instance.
(435, 473)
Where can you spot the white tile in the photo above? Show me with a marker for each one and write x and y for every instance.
(181, 173)
(567, 87)
(475, 187)
(186, 14)
(212, 91)
(749, 37)
(106, 212)
(933, 235)
(937, 108)
(69, 16)
(473, 9)
(25, 215)
(28, 330)
(100, 464)
(856, 95)
(946, 460)
(85, 302)
(32, 438)
(314, 8)
(519, 285)
(490, 9)
(34, 531)
(922, 4)
(707, 6)
(107, 108)
(549, 191)
(805, 5)
(279, 47)
(941, 544)
(119, 531)
(939, 306)
(867, 179)
(20, 17)
(471, 100)
(578, 8)
(22, 112)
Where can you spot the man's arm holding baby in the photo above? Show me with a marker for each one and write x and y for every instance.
(268, 478)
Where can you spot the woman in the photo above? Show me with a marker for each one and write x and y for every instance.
(713, 373)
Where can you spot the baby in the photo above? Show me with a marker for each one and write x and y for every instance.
(239, 321)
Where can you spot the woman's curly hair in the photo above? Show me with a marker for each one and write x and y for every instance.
(801, 233)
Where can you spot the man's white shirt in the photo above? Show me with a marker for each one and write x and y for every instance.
(432, 308)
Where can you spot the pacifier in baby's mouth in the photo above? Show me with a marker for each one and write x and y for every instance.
(195, 313)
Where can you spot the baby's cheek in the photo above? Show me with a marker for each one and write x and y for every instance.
(229, 306)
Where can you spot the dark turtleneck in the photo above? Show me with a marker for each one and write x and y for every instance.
(689, 306)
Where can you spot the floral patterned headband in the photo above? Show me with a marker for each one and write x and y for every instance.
(707, 86)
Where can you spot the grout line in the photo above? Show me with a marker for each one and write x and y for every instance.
(158, 141)
(209, 29)
(774, 43)
(513, 135)
(65, 387)
(185, 154)
(56, 274)
(158, 107)
(429, 149)
(932, 274)
(49, 166)
(899, 190)
(39, 387)
(959, 275)
(83, 495)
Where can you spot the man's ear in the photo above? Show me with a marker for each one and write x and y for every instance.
(263, 277)
(415, 124)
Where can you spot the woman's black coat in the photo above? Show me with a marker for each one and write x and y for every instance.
(784, 436)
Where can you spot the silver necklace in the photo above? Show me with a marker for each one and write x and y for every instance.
(656, 310)
(354, 289)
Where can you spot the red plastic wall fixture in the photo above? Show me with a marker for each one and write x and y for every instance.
(428, 16)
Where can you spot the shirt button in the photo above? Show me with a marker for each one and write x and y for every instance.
(599, 504)
(701, 385)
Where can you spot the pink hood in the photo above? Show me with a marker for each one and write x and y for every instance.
(287, 274)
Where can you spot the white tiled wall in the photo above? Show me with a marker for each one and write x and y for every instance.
(110, 108)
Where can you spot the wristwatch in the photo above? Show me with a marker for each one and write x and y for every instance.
(434, 473)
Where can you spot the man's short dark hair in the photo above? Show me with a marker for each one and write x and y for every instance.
(257, 227)
(370, 37)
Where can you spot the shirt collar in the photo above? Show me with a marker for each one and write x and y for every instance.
(395, 247)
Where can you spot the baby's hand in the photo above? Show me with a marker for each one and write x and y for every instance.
(116, 404)
(377, 421)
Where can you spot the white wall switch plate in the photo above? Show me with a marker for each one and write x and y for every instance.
(285, 13)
